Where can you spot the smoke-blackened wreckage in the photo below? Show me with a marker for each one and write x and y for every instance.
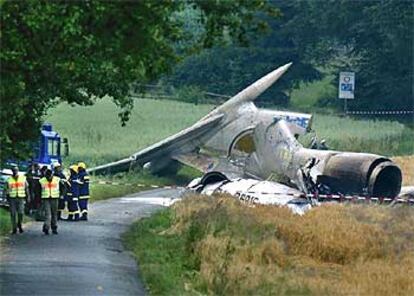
(246, 151)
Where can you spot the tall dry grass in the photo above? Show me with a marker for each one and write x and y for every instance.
(406, 164)
(332, 250)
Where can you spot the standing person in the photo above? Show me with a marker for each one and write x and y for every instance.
(33, 176)
(57, 171)
(41, 211)
(73, 194)
(50, 198)
(83, 190)
(323, 145)
(17, 190)
(43, 171)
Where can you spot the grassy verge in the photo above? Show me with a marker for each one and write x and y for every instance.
(218, 246)
(162, 258)
(5, 225)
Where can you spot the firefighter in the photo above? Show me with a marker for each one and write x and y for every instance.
(50, 199)
(83, 178)
(73, 194)
(323, 146)
(17, 190)
(63, 186)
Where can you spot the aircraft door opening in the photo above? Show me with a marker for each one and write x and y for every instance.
(241, 147)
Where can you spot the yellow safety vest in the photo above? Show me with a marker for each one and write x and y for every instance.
(16, 187)
(50, 189)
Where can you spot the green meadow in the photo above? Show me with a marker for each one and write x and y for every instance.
(96, 136)
(389, 138)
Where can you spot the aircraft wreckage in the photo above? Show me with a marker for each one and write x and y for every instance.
(248, 151)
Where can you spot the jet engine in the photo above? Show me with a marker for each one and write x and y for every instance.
(359, 172)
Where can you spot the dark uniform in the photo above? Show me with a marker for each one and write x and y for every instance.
(63, 187)
(83, 177)
(33, 176)
(73, 195)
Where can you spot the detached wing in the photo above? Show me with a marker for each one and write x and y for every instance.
(182, 142)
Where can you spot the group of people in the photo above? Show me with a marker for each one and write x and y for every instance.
(47, 191)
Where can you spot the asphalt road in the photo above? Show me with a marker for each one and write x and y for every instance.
(85, 258)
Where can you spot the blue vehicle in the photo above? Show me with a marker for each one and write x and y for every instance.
(47, 150)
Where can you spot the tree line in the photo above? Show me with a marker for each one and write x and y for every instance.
(374, 39)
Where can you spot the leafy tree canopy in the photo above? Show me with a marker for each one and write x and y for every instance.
(228, 69)
(373, 38)
(53, 51)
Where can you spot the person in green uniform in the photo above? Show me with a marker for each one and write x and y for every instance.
(50, 200)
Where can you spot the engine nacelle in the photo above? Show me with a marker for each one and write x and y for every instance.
(359, 172)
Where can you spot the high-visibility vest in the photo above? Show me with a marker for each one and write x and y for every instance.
(16, 187)
(50, 189)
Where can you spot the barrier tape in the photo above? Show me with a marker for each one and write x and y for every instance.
(380, 112)
(132, 184)
(320, 197)
(124, 184)
(338, 197)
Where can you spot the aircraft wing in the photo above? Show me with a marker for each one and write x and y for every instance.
(182, 142)
(200, 161)
(207, 162)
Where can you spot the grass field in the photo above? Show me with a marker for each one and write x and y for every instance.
(307, 95)
(96, 136)
(388, 138)
(217, 246)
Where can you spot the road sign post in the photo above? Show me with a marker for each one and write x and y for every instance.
(346, 87)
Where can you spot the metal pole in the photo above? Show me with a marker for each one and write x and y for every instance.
(345, 105)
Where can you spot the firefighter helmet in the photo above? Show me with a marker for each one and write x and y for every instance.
(82, 165)
(74, 168)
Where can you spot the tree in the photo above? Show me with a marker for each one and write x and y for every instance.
(373, 38)
(228, 69)
(54, 51)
